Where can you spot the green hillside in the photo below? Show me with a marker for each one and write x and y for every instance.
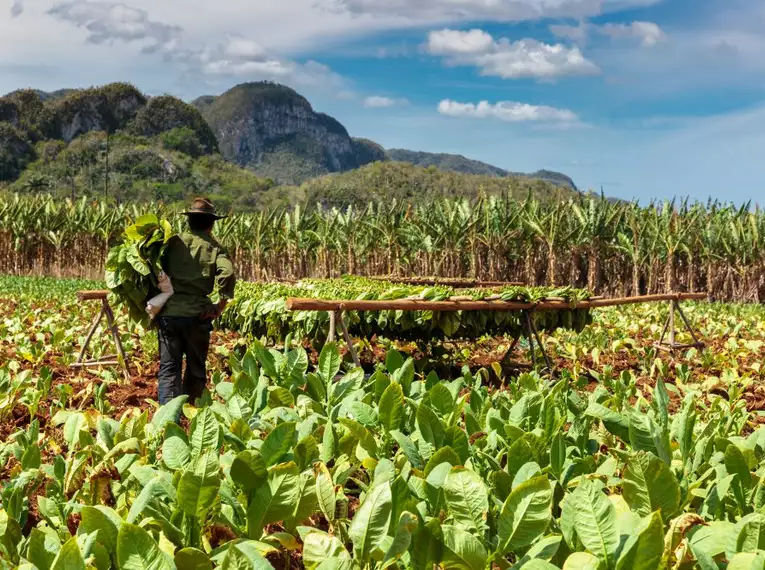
(402, 181)
(459, 163)
(258, 145)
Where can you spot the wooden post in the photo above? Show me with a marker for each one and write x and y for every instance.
(669, 325)
(349, 341)
(509, 351)
(332, 326)
(664, 330)
(548, 362)
(689, 327)
(530, 337)
(116, 336)
(91, 332)
(672, 305)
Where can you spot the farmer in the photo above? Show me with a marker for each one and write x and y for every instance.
(196, 264)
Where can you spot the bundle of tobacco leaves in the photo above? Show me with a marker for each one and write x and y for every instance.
(132, 267)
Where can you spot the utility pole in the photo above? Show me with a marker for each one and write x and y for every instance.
(106, 176)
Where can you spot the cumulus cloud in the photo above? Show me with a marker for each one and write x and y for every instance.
(648, 33)
(378, 101)
(510, 111)
(456, 42)
(17, 8)
(109, 21)
(236, 56)
(431, 11)
(243, 58)
(506, 59)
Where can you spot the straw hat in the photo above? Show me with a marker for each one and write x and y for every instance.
(203, 206)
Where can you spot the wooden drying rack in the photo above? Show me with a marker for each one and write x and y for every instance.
(106, 311)
(335, 308)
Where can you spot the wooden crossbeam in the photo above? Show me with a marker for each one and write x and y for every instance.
(303, 304)
(92, 295)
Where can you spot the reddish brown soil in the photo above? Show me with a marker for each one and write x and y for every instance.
(290, 560)
(121, 396)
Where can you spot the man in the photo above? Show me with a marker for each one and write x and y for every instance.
(197, 265)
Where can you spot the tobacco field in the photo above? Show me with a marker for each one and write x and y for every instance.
(626, 458)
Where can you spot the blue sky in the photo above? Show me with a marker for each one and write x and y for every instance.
(644, 98)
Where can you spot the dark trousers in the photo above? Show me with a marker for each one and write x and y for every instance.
(179, 336)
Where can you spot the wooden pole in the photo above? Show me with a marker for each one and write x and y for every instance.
(116, 336)
(530, 337)
(92, 295)
(664, 330)
(349, 341)
(91, 332)
(689, 327)
(533, 327)
(672, 305)
(301, 304)
(332, 326)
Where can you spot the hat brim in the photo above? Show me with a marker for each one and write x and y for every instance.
(198, 213)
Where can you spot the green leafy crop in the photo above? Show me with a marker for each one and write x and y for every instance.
(133, 266)
(391, 470)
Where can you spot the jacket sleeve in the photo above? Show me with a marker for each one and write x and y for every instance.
(225, 280)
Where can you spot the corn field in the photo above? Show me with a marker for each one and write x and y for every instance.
(612, 248)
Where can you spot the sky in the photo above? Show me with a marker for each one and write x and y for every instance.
(644, 99)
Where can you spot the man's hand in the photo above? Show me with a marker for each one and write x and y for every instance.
(215, 311)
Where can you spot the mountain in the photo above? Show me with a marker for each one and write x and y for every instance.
(31, 117)
(402, 181)
(255, 146)
(452, 162)
(274, 131)
(459, 163)
(159, 148)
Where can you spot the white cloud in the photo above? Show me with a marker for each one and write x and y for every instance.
(455, 42)
(243, 48)
(510, 111)
(241, 58)
(648, 33)
(506, 59)
(433, 11)
(236, 56)
(109, 21)
(378, 101)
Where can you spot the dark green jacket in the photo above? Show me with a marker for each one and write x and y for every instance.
(197, 265)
